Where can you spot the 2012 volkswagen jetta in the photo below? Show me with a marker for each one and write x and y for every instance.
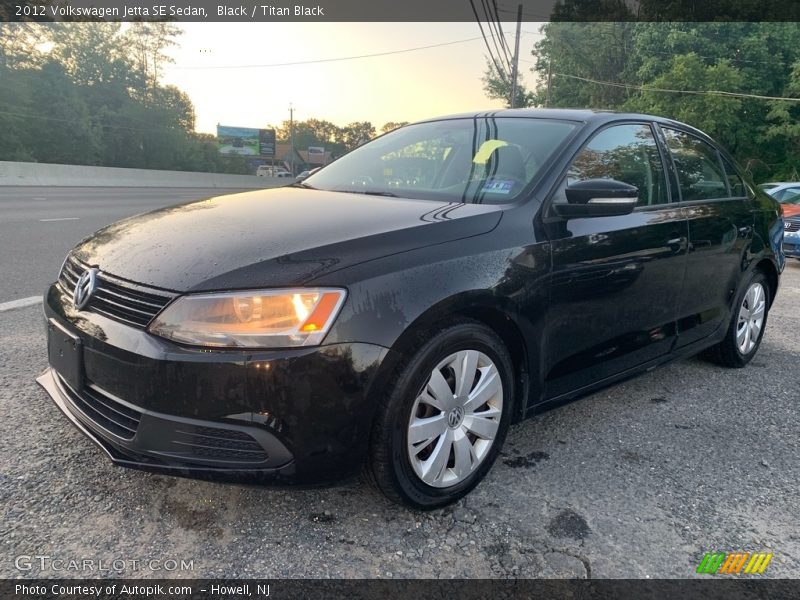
(400, 308)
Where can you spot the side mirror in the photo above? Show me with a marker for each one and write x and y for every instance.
(598, 198)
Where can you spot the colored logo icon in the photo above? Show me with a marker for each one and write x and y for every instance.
(716, 563)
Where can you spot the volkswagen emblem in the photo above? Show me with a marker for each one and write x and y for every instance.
(455, 417)
(84, 288)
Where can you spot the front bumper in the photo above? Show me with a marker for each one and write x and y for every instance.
(791, 246)
(291, 416)
(162, 443)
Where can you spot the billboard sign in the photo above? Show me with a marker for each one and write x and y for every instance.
(237, 140)
(316, 151)
(266, 142)
(244, 141)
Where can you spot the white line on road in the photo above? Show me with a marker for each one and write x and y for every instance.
(21, 303)
(60, 219)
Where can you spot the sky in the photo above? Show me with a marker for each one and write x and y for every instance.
(399, 87)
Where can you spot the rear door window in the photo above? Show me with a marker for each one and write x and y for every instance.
(734, 180)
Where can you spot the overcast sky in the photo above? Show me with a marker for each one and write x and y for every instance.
(399, 87)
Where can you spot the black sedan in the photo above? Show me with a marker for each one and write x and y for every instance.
(398, 310)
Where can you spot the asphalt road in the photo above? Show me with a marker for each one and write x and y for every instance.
(39, 225)
(639, 480)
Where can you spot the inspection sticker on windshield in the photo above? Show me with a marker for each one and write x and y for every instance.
(497, 187)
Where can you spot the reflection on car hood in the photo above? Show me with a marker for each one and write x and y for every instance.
(274, 237)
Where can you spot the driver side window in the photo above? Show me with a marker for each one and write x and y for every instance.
(627, 153)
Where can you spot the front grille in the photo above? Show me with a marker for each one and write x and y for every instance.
(791, 225)
(103, 410)
(122, 300)
(212, 443)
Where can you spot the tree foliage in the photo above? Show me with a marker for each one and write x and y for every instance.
(498, 87)
(337, 140)
(652, 67)
(89, 93)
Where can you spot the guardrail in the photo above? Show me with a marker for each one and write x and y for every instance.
(43, 174)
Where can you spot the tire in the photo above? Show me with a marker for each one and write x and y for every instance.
(439, 467)
(734, 351)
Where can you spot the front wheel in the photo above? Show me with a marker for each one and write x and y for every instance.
(748, 322)
(444, 418)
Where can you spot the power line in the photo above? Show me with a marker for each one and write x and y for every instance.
(328, 60)
(500, 27)
(496, 32)
(670, 91)
(500, 72)
(536, 16)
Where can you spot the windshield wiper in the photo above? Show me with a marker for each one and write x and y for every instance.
(302, 184)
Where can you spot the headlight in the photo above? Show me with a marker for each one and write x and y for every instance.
(251, 319)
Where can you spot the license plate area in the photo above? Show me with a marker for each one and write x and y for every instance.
(65, 354)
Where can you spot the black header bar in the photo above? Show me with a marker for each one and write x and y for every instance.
(395, 10)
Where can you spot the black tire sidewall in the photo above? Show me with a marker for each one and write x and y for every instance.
(461, 337)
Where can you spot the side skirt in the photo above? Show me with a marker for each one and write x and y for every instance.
(679, 354)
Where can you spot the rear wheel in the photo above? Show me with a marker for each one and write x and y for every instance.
(749, 320)
(444, 418)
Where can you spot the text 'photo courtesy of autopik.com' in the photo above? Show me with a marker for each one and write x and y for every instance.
(349, 299)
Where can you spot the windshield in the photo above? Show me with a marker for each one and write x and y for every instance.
(475, 160)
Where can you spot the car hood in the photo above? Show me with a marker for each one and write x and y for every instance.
(266, 238)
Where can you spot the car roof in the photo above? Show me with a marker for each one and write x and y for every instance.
(586, 116)
(583, 115)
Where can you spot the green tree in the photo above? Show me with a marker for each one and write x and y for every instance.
(64, 133)
(21, 45)
(148, 42)
(15, 96)
(677, 70)
(571, 53)
(392, 125)
(498, 87)
(91, 53)
(720, 114)
(354, 134)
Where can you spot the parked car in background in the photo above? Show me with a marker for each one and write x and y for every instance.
(787, 193)
(306, 174)
(791, 236)
(270, 171)
(367, 319)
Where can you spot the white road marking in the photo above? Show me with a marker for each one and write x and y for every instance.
(21, 303)
(38, 198)
(60, 219)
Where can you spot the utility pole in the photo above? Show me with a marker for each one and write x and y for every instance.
(291, 136)
(515, 66)
(549, 81)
